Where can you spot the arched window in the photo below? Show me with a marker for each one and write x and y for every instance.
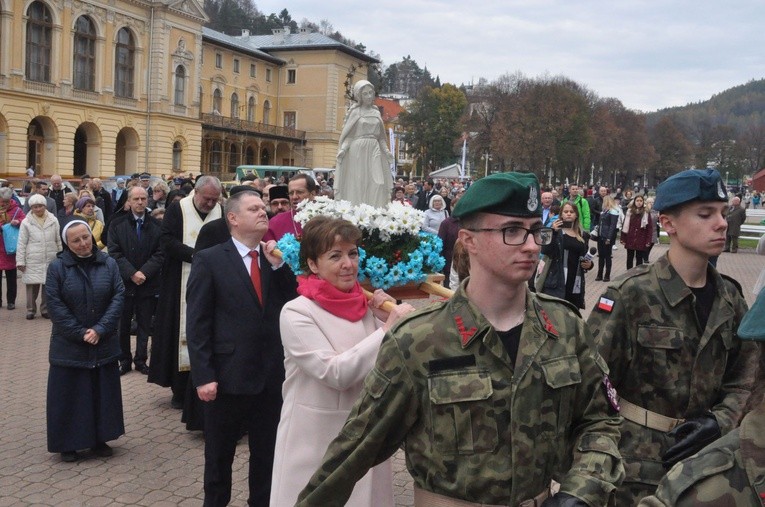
(180, 86)
(217, 101)
(215, 157)
(84, 54)
(234, 105)
(233, 158)
(39, 42)
(124, 64)
(266, 112)
(251, 109)
(177, 153)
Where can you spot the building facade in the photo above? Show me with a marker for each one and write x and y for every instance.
(125, 86)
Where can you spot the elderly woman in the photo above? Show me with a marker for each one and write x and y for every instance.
(158, 195)
(39, 242)
(363, 158)
(98, 211)
(85, 297)
(85, 211)
(435, 214)
(65, 213)
(10, 213)
(331, 335)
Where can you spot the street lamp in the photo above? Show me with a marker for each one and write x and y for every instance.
(726, 178)
(486, 157)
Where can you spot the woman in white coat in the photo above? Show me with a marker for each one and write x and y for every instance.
(331, 335)
(39, 242)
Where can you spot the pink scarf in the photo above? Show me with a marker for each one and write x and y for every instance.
(350, 306)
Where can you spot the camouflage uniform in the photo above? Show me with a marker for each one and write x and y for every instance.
(728, 473)
(661, 361)
(473, 427)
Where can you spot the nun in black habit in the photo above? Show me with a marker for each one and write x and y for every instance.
(85, 297)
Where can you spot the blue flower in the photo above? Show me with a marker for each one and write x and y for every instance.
(290, 248)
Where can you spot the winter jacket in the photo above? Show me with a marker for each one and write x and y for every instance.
(608, 225)
(96, 226)
(639, 236)
(38, 246)
(8, 261)
(78, 301)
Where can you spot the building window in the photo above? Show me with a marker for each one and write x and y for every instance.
(39, 42)
(218, 61)
(215, 157)
(290, 119)
(180, 86)
(84, 54)
(236, 65)
(177, 154)
(251, 109)
(217, 101)
(268, 75)
(253, 70)
(124, 63)
(266, 112)
(234, 105)
(233, 158)
(291, 76)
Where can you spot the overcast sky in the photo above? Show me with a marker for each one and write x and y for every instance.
(649, 54)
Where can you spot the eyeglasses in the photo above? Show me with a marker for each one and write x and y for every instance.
(514, 235)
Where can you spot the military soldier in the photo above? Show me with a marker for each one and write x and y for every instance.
(668, 333)
(731, 471)
(492, 393)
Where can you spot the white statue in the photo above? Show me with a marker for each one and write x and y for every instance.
(363, 158)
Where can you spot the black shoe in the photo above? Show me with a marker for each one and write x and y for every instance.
(142, 367)
(598, 278)
(124, 367)
(606, 278)
(30, 316)
(69, 456)
(45, 315)
(11, 306)
(726, 250)
(102, 450)
(176, 402)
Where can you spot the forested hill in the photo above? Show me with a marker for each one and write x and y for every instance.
(741, 107)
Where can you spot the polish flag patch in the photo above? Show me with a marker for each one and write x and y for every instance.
(606, 304)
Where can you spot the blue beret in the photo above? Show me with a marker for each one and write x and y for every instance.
(511, 194)
(690, 185)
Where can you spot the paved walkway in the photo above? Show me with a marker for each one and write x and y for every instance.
(157, 463)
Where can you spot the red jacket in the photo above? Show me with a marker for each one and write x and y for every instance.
(637, 237)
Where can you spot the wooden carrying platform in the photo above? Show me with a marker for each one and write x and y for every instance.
(430, 287)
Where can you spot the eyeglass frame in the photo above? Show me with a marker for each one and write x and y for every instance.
(533, 231)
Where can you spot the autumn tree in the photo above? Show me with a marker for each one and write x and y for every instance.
(432, 122)
(674, 151)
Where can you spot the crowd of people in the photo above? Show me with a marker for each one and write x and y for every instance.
(500, 395)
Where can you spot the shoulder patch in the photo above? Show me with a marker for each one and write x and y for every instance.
(421, 313)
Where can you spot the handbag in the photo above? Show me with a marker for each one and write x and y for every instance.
(11, 235)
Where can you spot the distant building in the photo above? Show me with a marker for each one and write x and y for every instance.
(129, 86)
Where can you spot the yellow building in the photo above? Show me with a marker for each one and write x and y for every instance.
(118, 87)
(100, 87)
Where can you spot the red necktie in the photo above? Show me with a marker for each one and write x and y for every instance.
(255, 274)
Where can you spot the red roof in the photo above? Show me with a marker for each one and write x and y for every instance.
(390, 109)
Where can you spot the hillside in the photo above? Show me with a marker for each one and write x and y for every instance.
(740, 107)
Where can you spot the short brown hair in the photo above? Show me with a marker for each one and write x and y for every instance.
(320, 233)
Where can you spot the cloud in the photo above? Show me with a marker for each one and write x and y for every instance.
(648, 54)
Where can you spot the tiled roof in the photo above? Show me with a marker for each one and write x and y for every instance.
(285, 42)
(239, 44)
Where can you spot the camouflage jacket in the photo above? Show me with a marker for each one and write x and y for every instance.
(473, 426)
(648, 333)
(728, 473)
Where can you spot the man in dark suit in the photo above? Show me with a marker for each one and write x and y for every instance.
(424, 195)
(237, 363)
(134, 243)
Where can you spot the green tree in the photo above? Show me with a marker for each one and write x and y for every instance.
(674, 151)
(433, 124)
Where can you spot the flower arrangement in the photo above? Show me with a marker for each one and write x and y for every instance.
(393, 251)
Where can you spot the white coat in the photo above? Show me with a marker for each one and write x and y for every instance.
(326, 360)
(38, 246)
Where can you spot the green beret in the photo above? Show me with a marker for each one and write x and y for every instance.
(511, 194)
(690, 185)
